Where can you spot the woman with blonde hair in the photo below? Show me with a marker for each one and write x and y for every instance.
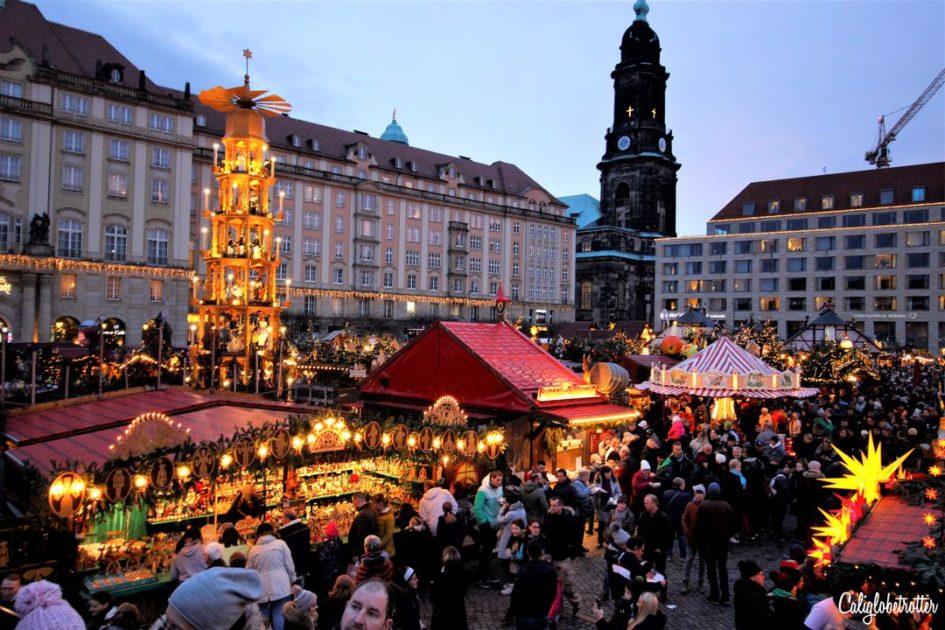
(649, 616)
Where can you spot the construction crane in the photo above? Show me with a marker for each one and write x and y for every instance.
(880, 155)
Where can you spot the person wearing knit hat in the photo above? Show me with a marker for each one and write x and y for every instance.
(215, 598)
(214, 553)
(645, 465)
(621, 538)
(714, 489)
(41, 607)
(751, 599)
(301, 612)
(698, 489)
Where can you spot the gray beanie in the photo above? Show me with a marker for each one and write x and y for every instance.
(621, 537)
(216, 598)
(305, 600)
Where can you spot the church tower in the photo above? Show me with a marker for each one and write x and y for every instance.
(638, 169)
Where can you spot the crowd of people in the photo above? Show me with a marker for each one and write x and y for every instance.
(677, 486)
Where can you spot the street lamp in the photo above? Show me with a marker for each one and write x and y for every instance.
(159, 320)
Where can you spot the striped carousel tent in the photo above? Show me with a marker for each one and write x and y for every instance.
(722, 370)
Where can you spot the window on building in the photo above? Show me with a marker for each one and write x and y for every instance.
(768, 285)
(854, 262)
(769, 265)
(75, 104)
(308, 305)
(155, 290)
(797, 284)
(825, 243)
(794, 225)
(796, 244)
(716, 266)
(311, 274)
(915, 216)
(824, 263)
(748, 208)
(797, 304)
(339, 276)
(768, 304)
(856, 200)
(884, 218)
(885, 283)
(796, 264)
(917, 281)
(855, 283)
(743, 266)
(826, 223)
(917, 239)
(917, 261)
(746, 227)
(160, 190)
(826, 202)
(69, 239)
(11, 130)
(160, 157)
(72, 178)
(693, 267)
(367, 278)
(116, 243)
(884, 303)
(113, 288)
(886, 197)
(413, 257)
(855, 241)
(161, 123)
(917, 303)
(67, 286)
(855, 303)
(826, 284)
(885, 261)
(770, 226)
(718, 248)
(433, 283)
(774, 206)
(11, 88)
(158, 246)
(120, 114)
(742, 304)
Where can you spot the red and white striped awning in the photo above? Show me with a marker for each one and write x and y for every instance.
(724, 355)
(802, 392)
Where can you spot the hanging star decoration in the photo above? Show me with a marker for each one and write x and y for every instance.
(928, 542)
(836, 527)
(866, 475)
(821, 553)
(929, 519)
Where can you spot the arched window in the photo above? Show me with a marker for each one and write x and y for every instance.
(157, 246)
(587, 291)
(116, 243)
(65, 329)
(70, 239)
(114, 331)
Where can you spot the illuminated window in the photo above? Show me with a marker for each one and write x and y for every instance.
(156, 290)
(113, 288)
(67, 286)
(116, 243)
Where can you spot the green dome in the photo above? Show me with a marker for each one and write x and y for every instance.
(394, 133)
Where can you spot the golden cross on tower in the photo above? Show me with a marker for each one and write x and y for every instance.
(630, 111)
(653, 112)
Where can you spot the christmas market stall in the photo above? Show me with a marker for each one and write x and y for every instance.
(722, 371)
(492, 376)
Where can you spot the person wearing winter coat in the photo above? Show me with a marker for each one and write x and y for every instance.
(643, 483)
(449, 594)
(512, 511)
(272, 558)
(715, 524)
(534, 498)
(363, 525)
(534, 591)
(486, 510)
(622, 515)
(559, 533)
(432, 502)
(374, 563)
(674, 502)
(407, 602)
(607, 491)
(655, 527)
(298, 537)
(215, 598)
(41, 606)
(751, 599)
(385, 523)
(780, 489)
(189, 559)
(688, 528)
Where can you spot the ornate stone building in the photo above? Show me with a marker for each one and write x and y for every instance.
(615, 252)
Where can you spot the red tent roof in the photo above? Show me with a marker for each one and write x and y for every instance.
(491, 366)
(724, 355)
(204, 424)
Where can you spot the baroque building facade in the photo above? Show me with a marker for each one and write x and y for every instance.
(373, 230)
(615, 254)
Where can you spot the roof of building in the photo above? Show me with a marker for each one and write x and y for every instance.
(900, 179)
(612, 253)
(79, 52)
(584, 208)
(62, 47)
(394, 132)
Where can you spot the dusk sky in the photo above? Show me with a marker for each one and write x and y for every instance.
(757, 90)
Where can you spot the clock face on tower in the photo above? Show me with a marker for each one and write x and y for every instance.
(663, 145)
(623, 143)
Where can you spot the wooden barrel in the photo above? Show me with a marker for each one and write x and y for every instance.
(609, 378)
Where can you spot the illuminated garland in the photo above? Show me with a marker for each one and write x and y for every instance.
(408, 297)
(68, 265)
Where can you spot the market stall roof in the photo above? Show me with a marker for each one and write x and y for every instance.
(891, 524)
(205, 425)
(577, 415)
(491, 368)
(723, 369)
(829, 327)
(694, 318)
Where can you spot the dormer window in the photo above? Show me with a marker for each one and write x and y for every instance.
(115, 75)
(412, 166)
(490, 183)
(315, 144)
(362, 153)
(295, 140)
(774, 206)
(398, 163)
(452, 171)
(201, 120)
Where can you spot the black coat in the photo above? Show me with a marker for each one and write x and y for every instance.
(449, 599)
(535, 590)
(568, 494)
(656, 529)
(715, 524)
(559, 535)
(299, 539)
(364, 524)
(751, 604)
(406, 608)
